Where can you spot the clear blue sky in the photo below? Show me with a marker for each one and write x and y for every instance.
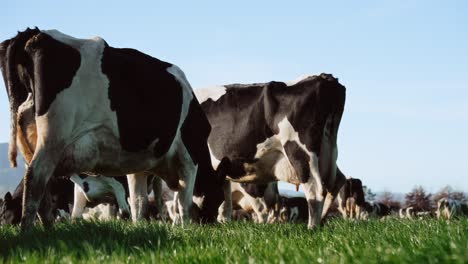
(404, 63)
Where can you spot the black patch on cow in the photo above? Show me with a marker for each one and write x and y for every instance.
(195, 131)
(247, 115)
(55, 65)
(254, 190)
(145, 96)
(85, 186)
(299, 160)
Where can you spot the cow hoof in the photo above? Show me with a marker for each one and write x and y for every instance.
(125, 216)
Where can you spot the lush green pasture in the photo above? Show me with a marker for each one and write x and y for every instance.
(394, 241)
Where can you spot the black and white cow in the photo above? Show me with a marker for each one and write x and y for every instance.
(259, 199)
(279, 132)
(60, 195)
(376, 209)
(88, 190)
(109, 111)
(449, 208)
(351, 199)
(293, 209)
(83, 191)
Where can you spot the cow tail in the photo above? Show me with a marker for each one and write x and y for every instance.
(13, 147)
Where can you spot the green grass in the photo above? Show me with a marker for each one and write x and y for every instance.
(392, 241)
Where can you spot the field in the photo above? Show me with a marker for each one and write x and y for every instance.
(391, 241)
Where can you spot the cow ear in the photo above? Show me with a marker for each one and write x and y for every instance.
(8, 197)
(223, 169)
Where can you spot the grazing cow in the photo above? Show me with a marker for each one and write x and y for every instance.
(279, 132)
(92, 190)
(448, 208)
(109, 111)
(88, 192)
(351, 199)
(375, 209)
(60, 192)
(241, 215)
(293, 209)
(259, 199)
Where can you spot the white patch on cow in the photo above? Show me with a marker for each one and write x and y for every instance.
(298, 80)
(69, 40)
(213, 93)
(214, 161)
(267, 153)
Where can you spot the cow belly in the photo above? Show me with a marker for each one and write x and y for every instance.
(100, 152)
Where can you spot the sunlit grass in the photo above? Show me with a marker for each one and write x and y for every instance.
(391, 241)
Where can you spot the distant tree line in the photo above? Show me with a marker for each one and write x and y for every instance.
(418, 198)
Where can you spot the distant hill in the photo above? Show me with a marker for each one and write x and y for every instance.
(9, 177)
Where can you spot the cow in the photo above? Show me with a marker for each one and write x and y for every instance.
(87, 189)
(259, 199)
(241, 215)
(60, 192)
(376, 209)
(449, 208)
(351, 199)
(94, 190)
(106, 111)
(279, 132)
(293, 209)
(88, 192)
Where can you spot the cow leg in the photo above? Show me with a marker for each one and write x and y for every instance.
(313, 190)
(157, 191)
(260, 216)
(45, 212)
(138, 189)
(184, 197)
(225, 210)
(171, 210)
(37, 175)
(358, 212)
(332, 194)
(341, 206)
(120, 197)
(79, 202)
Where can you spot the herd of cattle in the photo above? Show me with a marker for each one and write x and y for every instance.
(85, 114)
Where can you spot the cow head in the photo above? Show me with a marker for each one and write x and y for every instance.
(10, 210)
(213, 193)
